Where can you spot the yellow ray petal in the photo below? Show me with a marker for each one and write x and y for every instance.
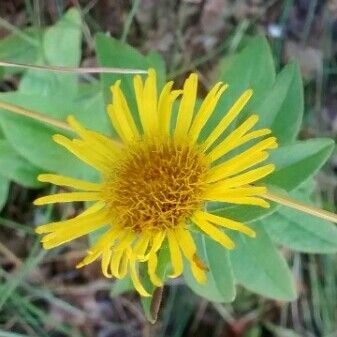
(253, 135)
(240, 200)
(122, 130)
(125, 242)
(76, 149)
(186, 108)
(135, 279)
(107, 141)
(87, 150)
(142, 245)
(166, 101)
(206, 109)
(245, 156)
(146, 97)
(228, 118)
(93, 208)
(118, 264)
(236, 165)
(106, 257)
(75, 222)
(122, 104)
(176, 258)
(150, 100)
(213, 232)
(221, 151)
(153, 246)
(232, 167)
(82, 227)
(221, 189)
(227, 223)
(105, 145)
(151, 268)
(66, 235)
(92, 142)
(157, 242)
(104, 242)
(187, 245)
(69, 182)
(233, 139)
(88, 259)
(123, 266)
(67, 197)
(120, 115)
(164, 110)
(118, 120)
(138, 87)
(245, 196)
(249, 177)
(242, 161)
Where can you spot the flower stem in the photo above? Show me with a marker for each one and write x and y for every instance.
(288, 202)
(34, 115)
(60, 69)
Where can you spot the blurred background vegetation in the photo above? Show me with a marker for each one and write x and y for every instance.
(49, 297)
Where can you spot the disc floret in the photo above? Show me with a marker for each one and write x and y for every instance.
(156, 185)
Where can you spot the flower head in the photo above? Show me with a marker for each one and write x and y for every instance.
(158, 178)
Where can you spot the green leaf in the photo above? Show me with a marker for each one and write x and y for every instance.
(121, 286)
(33, 139)
(113, 53)
(179, 310)
(156, 61)
(300, 231)
(244, 72)
(62, 42)
(260, 267)
(4, 189)
(16, 168)
(281, 107)
(296, 163)
(20, 48)
(220, 284)
(90, 110)
(61, 46)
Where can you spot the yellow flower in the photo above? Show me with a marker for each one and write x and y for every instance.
(157, 180)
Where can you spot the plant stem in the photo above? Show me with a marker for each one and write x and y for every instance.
(288, 202)
(34, 115)
(61, 69)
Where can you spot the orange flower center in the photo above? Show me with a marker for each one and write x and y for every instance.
(155, 185)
